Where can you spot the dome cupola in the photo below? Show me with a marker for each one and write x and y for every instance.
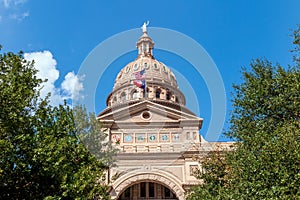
(145, 44)
(157, 82)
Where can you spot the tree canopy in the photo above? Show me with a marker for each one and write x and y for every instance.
(265, 123)
(41, 154)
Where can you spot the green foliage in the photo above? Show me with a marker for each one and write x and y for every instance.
(93, 136)
(296, 36)
(266, 124)
(41, 154)
(214, 175)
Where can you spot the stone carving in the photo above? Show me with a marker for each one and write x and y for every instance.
(144, 27)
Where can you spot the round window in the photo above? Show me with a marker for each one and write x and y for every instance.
(146, 115)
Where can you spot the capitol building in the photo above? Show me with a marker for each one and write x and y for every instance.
(156, 134)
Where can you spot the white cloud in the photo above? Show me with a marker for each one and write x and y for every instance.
(19, 2)
(9, 3)
(13, 10)
(72, 85)
(19, 17)
(46, 66)
(6, 3)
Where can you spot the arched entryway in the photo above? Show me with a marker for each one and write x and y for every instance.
(162, 180)
(147, 191)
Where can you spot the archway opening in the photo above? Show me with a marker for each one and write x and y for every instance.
(147, 191)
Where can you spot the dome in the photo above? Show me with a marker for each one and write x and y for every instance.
(155, 71)
(159, 81)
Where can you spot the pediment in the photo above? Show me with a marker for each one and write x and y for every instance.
(147, 111)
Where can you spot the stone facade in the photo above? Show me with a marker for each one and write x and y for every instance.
(158, 137)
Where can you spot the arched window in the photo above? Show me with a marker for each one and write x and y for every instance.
(157, 93)
(147, 92)
(134, 94)
(168, 96)
(123, 97)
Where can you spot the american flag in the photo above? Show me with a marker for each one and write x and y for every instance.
(140, 74)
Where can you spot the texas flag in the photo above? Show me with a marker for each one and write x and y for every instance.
(140, 74)
(140, 83)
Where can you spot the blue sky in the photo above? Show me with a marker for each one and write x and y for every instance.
(61, 34)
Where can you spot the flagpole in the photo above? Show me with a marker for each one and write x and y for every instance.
(145, 84)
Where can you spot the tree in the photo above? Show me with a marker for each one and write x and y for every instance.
(214, 174)
(93, 136)
(266, 125)
(41, 154)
